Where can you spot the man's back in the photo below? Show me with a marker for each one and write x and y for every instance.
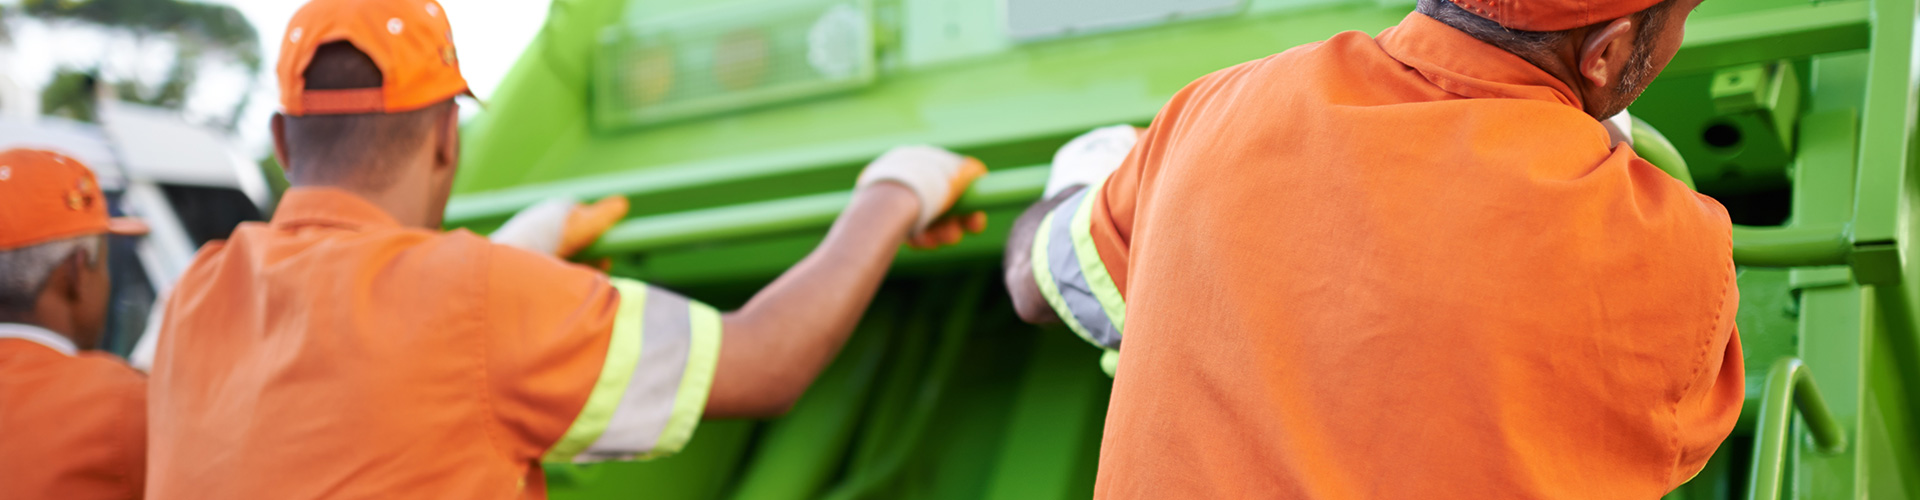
(72, 425)
(1408, 267)
(342, 356)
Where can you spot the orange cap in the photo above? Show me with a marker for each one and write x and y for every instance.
(45, 196)
(1553, 15)
(409, 40)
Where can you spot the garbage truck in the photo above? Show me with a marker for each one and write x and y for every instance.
(736, 127)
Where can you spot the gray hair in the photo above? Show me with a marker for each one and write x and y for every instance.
(1526, 44)
(24, 271)
(1537, 46)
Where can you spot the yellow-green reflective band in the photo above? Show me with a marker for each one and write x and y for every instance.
(623, 350)
(1110, 361)
(1070, 277)
(703, 357)
(654, 388)
(1043, 276)
(1092, 267)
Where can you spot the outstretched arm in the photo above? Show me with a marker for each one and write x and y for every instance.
(779, 341)
(787, 333)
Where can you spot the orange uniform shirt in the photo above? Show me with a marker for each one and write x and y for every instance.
(1398, 267)
(73, 425)
(335, 354)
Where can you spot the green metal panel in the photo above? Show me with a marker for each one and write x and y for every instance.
(941, 393)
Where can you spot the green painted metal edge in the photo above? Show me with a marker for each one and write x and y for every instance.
(1774, 34)
(1815, 245)
(1822, 245)
(641, 234)
(1887, 123)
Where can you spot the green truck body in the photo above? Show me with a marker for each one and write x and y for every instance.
(1798, 115)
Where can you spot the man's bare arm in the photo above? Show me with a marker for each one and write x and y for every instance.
(1027, 299)
(780, 340)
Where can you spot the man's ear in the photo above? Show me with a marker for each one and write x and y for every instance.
(446, 151)
(65, 280)
(280, 144)
(1603, 58)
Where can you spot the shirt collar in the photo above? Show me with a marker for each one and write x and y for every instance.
(329, 207)
(1458, 63)
(38, 335)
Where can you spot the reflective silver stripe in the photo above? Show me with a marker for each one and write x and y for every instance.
(665, 339)
(1065, 265)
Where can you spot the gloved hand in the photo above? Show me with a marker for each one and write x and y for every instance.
(561, 227)
(938, 177)
(1090, 158)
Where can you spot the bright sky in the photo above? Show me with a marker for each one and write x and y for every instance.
(489, 33)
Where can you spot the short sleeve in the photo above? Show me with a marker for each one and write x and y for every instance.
(586, 368)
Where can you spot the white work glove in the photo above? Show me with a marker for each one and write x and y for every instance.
(1090, 158)
(936, 175)
(1620, 128)
(560, 226)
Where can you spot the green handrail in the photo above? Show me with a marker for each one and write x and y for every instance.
(1789, 387)
(1814, 245)
(1762, 247)
(1654, 147)
(1821, 245)
(1005, 187)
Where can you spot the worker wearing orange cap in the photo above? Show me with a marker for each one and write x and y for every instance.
(73, 421)
(1412, 265)
(347, 349)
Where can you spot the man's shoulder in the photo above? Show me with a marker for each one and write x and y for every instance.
(264, 258)
(262, 244)
(531, 270)
(111, 377)
(468, 259)
(98, 377)
(90, 411)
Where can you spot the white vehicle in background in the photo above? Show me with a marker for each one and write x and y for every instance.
(189, 183)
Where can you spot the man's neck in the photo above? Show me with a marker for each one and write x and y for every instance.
(407, 207)
(405, 188)
(35, 322)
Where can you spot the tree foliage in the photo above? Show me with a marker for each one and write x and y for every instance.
(194, 28)
(69, 95)
(207, 25)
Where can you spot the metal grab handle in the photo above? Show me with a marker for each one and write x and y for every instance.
(1000, 188)
(1823, 245)
(1789, 386)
